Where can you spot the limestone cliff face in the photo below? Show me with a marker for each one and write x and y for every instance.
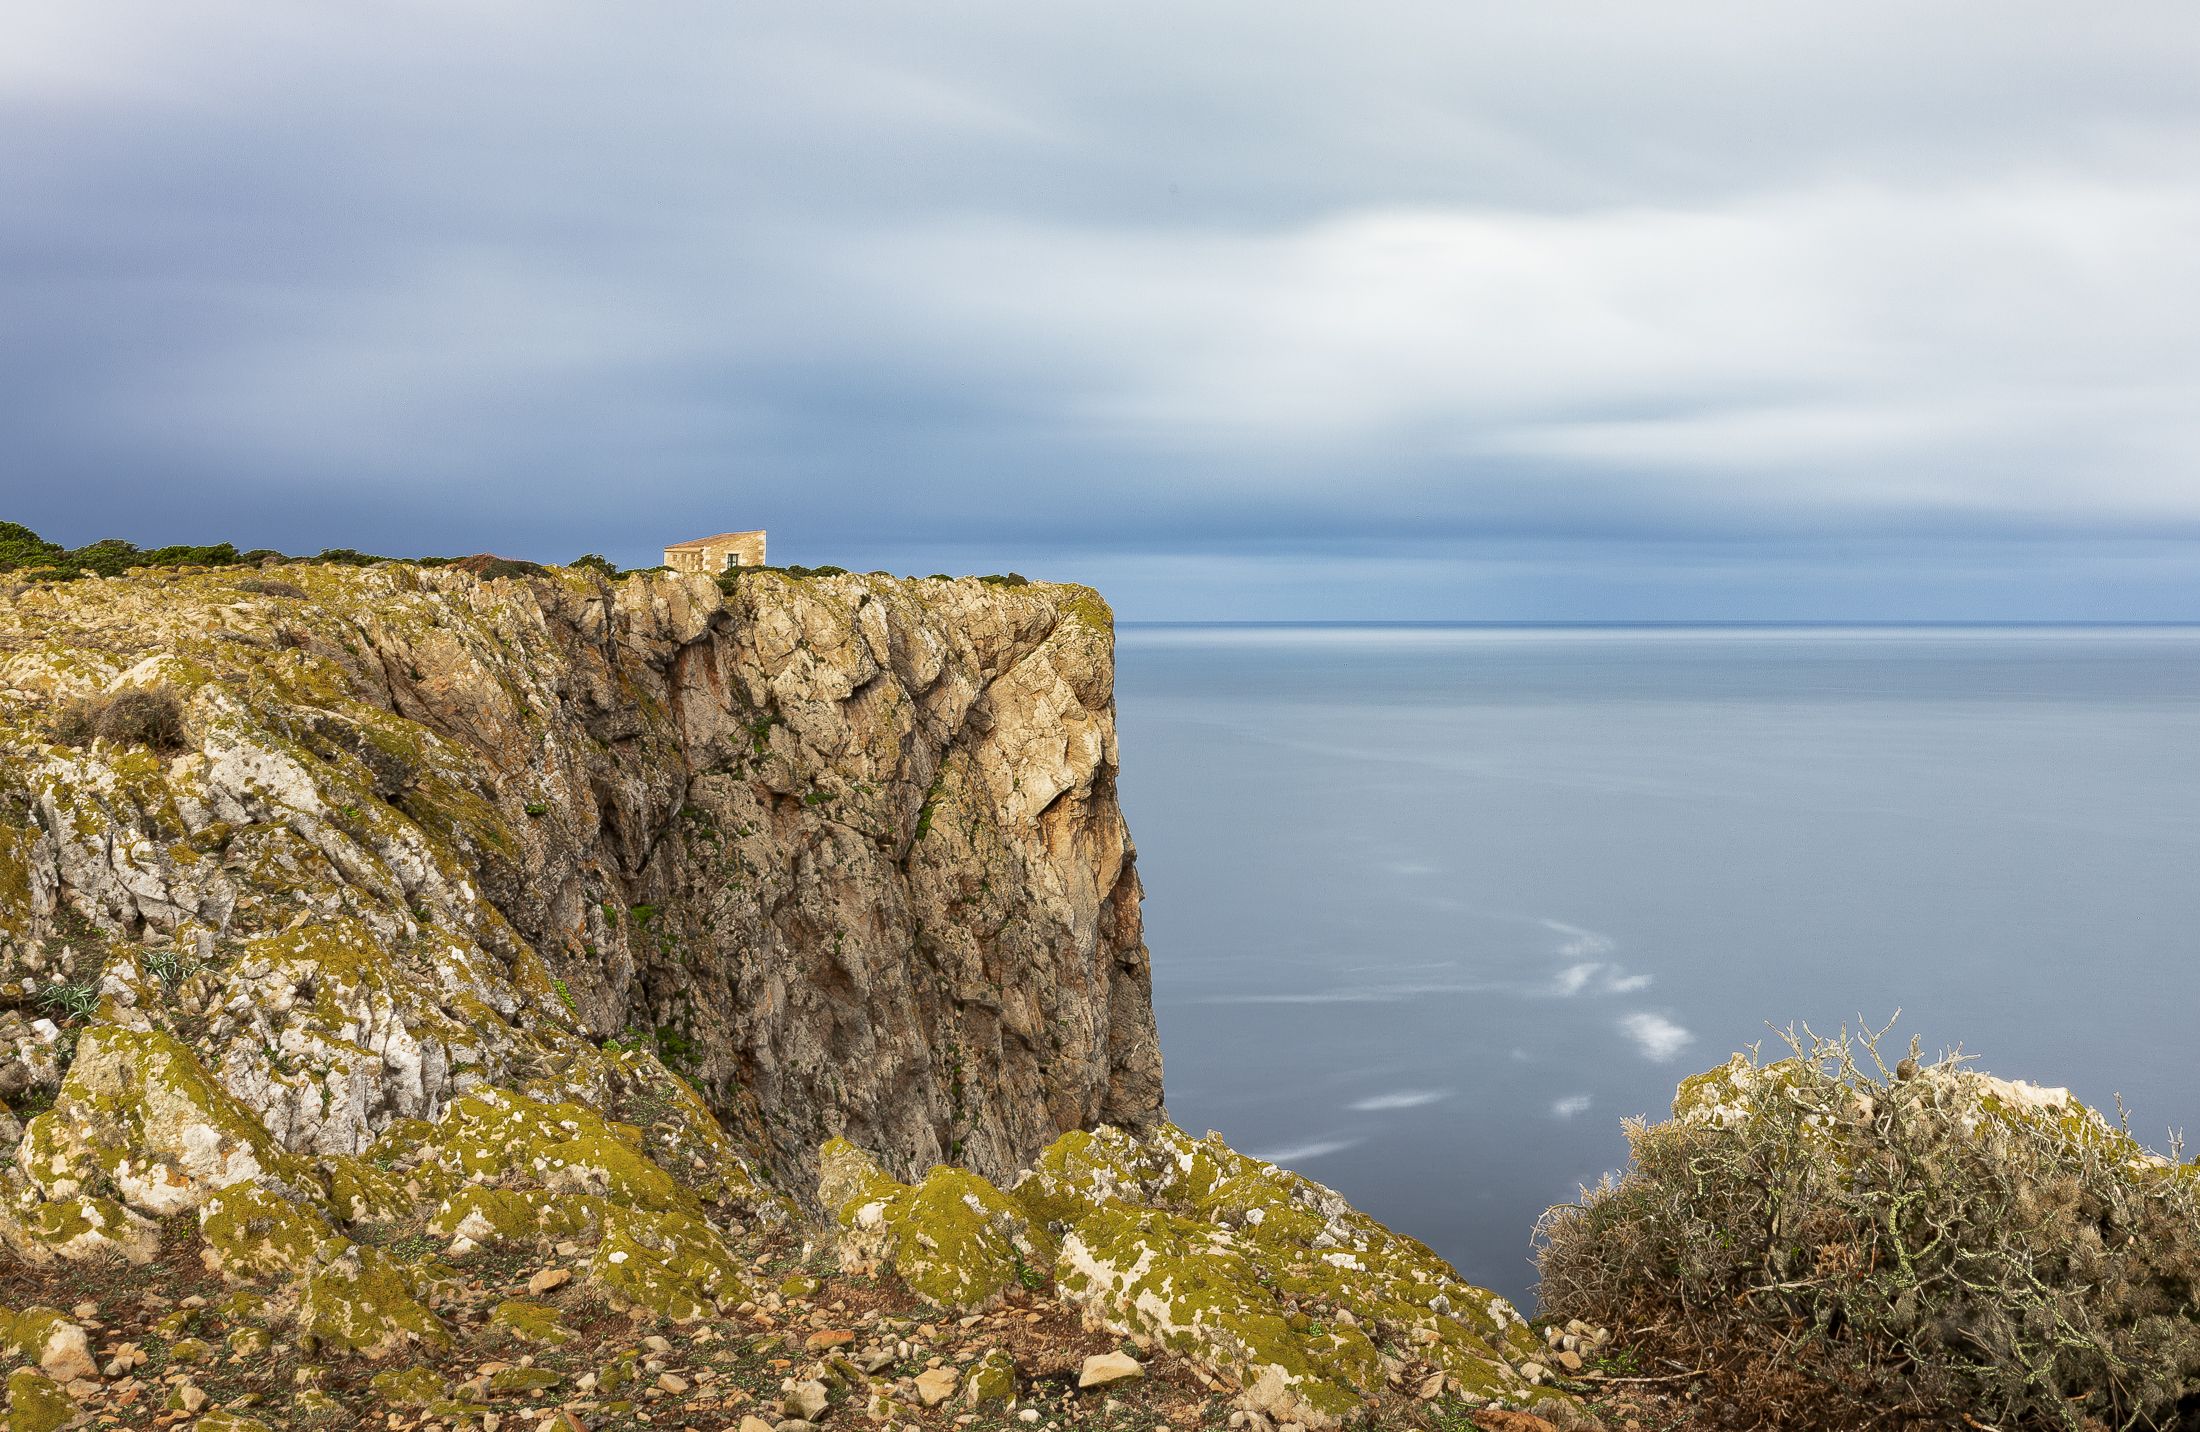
(844, 851)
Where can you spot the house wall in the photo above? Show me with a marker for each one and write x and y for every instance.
(746, 550)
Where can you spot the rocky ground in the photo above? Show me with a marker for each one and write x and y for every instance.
(168, 1345)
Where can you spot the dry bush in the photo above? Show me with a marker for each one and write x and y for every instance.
(269, 587)
(1842, 1245)
(151, 718)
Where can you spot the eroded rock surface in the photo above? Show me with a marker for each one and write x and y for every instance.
(829, 847)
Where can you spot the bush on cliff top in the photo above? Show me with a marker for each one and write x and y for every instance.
(1843, 1246)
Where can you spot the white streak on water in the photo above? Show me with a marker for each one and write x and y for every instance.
(1303, 1153)
(1399, 1099)
(1656, 1037)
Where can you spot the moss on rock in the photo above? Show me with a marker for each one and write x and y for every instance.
(36, 1403)
(954, 1239)
(1256, 1273)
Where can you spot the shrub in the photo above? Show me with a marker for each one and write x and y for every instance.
(267, 587)
(76, 723)
(151, 718)
(593, 562)
(21, 547)
(1841, 1246)
(221, 554)
(1012, 579)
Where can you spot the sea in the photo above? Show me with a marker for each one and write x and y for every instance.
(1434, 908)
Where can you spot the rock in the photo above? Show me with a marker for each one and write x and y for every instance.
(671, 1383)
(188, 1397)
(936, 1384)
(1495, 1419)
(753, 1423)
(522, 1381)
(1104, 1368)
(806, 1400)
(534, 1322)
(828, 1339)
(954, 1239)
(65, 1355)
(415, 1386)
(223, 1420)
(991, 1379)
(548, 1279)
(911, 737)
(36, 1403)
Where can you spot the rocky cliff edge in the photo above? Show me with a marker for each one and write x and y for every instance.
(370, 936)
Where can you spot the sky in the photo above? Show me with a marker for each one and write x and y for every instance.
(1252, 309)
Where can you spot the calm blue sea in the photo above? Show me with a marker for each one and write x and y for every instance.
(1432, 908)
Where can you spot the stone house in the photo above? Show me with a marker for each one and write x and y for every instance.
(712, 555)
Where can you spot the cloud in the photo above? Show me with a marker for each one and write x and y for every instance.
(1842, 353)
(1654, 1036)
(1570, 1105)
(1548, 306)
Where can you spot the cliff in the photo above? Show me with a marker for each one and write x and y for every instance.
(368, 933)
(827, 846)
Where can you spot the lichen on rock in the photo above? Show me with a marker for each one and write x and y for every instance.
(1261, 1276)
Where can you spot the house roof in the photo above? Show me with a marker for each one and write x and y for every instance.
(711, 541)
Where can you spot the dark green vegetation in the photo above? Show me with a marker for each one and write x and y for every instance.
(24, 550)
(1835, 1244)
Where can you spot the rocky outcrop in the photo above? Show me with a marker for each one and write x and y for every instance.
(1302, 1305)
(411, 969)
(829, 847)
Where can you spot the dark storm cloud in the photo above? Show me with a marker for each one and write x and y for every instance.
(1151, 292)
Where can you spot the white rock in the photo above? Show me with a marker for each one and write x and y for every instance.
(1103, 1368)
